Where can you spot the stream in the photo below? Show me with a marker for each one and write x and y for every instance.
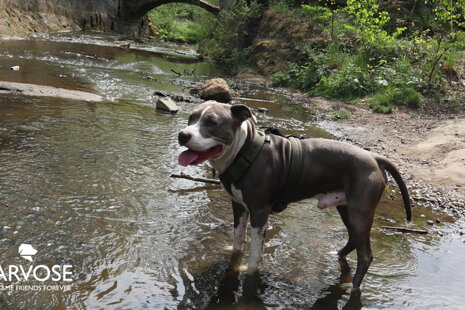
(87, 185)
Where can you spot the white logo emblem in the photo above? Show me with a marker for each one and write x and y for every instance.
(27, 251)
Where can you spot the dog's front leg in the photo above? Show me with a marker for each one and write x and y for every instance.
(241, 216)
(258, 221)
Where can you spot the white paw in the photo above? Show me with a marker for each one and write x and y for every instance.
(242, 268)
(346, 286)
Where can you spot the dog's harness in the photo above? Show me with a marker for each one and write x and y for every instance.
(249, 152)
(244, 158)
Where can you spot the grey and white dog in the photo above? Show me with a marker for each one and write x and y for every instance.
(337, 174)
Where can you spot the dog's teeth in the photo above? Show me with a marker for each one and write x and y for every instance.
(228, 248)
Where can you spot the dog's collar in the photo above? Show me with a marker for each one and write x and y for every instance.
(244, 158)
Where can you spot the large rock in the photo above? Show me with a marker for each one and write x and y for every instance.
(215, 89)
(167, 104)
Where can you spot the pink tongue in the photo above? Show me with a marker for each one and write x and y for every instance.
(188, 157)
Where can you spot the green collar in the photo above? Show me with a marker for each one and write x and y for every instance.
(244, 158)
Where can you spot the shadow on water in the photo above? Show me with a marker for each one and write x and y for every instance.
(239, 291)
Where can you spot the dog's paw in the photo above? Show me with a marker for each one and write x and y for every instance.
(228, 248)
(346, 286)
(242, 268)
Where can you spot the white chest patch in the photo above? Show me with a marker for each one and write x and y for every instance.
(237, 195)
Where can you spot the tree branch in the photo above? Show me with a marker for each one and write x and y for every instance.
(198, 179)
(405, 230)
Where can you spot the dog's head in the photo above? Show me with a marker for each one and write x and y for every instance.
(211, 129)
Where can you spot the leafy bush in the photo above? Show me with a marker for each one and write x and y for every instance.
(349, 82)
(384, 102)
(281, 79)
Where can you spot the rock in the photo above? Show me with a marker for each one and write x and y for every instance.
(215, 89)
(148, 77)
(175, 96)
(15, 68)
(161, 93)
(167, 104)
(262, 110)
(429, 222)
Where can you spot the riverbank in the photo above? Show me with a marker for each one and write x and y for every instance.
(34, 90)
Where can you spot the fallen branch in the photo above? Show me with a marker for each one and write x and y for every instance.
(405, 230)
(198, 179)
(176, 72)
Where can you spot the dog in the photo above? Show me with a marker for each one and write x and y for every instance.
(264, 173)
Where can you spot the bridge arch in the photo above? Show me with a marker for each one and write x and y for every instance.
(136, 9)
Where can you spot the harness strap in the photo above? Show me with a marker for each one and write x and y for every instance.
(244, 158)
(293, 177)
(296, 167)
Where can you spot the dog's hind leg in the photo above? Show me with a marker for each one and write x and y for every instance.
(361, 211)
(350, 246)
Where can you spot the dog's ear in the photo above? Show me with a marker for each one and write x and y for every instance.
(240, 112)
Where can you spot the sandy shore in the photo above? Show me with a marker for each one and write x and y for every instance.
(47, 91)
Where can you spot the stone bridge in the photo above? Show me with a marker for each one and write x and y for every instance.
(134, 10)
(123, 16)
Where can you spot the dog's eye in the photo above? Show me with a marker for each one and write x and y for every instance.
(210, 122)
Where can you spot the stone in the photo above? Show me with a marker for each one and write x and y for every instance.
(215, 89)
(15, 68)
(167, 104)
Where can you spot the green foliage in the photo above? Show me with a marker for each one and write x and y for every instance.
(349, 82)
(230, 32)
(384, 101)
(317, 11)
(369, 19)
(372, 53)
(341, 115)
(449, 14)
(281, 79)
(182, 22)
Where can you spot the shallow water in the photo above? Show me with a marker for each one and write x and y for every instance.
(87, 184)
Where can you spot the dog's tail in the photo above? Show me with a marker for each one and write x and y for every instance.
(385, 164)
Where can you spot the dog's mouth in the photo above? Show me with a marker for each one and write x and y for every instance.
(191, 157)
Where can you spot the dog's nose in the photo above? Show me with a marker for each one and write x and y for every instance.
(183, 137)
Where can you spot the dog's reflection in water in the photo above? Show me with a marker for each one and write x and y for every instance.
(230, 297)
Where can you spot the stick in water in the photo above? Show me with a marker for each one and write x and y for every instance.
(405, 230)
(198, 179)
